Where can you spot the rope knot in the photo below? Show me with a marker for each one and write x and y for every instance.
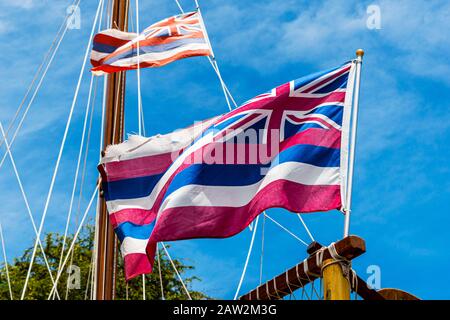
(345, 264)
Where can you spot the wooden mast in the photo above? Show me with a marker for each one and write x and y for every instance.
(335, 285)
(107, 248)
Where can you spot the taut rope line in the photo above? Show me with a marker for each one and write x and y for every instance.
(27, 204)
(61, 151)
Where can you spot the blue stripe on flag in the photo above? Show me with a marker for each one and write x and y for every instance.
(103, 48)
(291, 129)
(128, 229)
(309, 154)
(130, 188)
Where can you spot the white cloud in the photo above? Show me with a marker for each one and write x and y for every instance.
(4, 27)
(326, 32)
(23, 4)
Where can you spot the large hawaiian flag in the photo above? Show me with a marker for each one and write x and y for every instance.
(285, 148)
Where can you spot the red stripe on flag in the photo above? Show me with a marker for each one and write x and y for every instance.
(136, 264)
(139, 167)
(134, 215)
(109, 40)
(95, 63)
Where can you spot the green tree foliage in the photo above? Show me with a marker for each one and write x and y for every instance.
(40, 284)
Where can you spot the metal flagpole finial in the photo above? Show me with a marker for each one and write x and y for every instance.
(360, 53)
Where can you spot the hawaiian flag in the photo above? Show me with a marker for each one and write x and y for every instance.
(171, 39)
(285, 148)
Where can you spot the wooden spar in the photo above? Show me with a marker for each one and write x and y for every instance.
(294, 278)
(396, 294)
(114, 119)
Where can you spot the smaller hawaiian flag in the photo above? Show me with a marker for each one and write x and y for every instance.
(171, 39)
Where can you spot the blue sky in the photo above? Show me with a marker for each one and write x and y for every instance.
(401, 184)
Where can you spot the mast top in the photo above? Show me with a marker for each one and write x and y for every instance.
(360, 53)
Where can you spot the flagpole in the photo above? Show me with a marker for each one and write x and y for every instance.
(354, 120)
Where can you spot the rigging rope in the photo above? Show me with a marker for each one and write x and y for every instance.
(247, 259)
(93, 276)
(160, 272)
(143, 287)
(75, 3)
(75, 238)
(90, 275)
(61, 150)
(262, 251)
(19, 126)
(75, 180)
(176, 271)
(27, 204)
(97, 221)
(285, 229)
(179, 6)
(138, 72)
(226, 92)
(143, 121)
(306, 227)
(212, 60)
(83, 170)
(6, 262)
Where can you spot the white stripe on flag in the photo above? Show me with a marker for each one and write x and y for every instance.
(132, 245)
(157, 56)
(97, 56)
(121, 35)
